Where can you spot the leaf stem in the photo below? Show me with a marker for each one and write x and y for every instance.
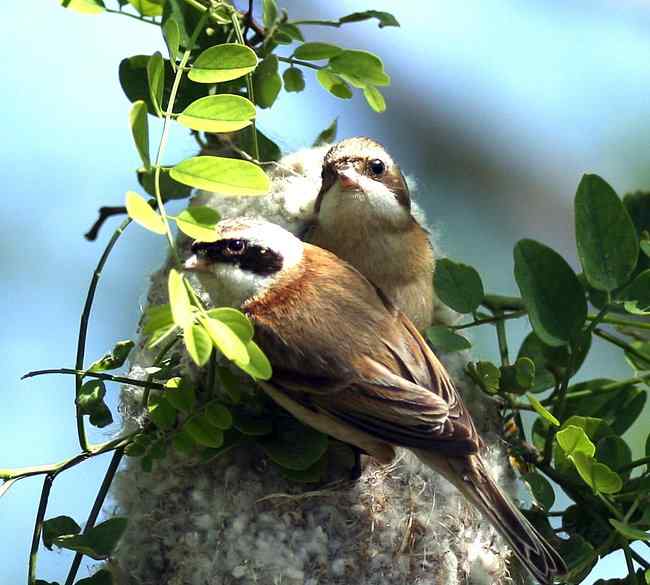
(502, 340)
(633, 464)
(603, 390)
(630, 564)
(38, 528)
(614, 320)
(97, 506)
(140, 18)
(56, 468)
(249, 84)
(83, 327)
(159, 358)
(622, 344)
(503, 303)
(162, 145)
(100, 375)
(639, 559)
(497, 318)
(334, 23)
(293, 61)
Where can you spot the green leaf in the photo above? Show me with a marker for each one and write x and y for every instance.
(162, 413)
(180, 394)
(198, 343)
(270, 13)
(374, 98)
(218, 113)
(134, 82)
(267, 82)
(637, 294)
(334, 84)
(155, 317)
(83, 6)
(539, 409)
(534, 349)
(101, 577)
(179, 300)
(359, 68)
(608, 247)
(645, 247)
(169, 189)
(251, 425)
(227, 176)
(98, 542)
(204, 433)
(458, 286)
(486, 374)
(595, 428)
(579, 555)
(316, 51)
(269, 150)
(292, 31)
(223, 63)
(199, 223)
(628, 531)
(384, 18)
(445, 339)
(258, 366)
(553, 294)
(525, 372)
(313, 474)
(295, 446)
(140, 130)
(140, 212)
(226, 341)
(115, 359)
(218, 415)
(156, 80)
(597, 475)
(328, 135)
(230, 384)
(236, 320)
(613, 451)
(574, 440)
(90, 395)
(148, 7)
(172, 34)
(183, 443)
(541, 489)
(294, 80)
(58, 526)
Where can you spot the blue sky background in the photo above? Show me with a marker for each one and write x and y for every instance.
(497, 108)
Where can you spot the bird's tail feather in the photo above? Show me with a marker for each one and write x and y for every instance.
(529, 546)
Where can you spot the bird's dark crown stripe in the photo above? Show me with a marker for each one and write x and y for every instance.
(254, 258)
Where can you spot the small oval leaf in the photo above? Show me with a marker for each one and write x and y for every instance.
(458, 286)
(140, 212)
(258, 367)
(179, 300)
(218, 113)
(156, 79)
(236, 320)
(334, 84)
(198, 344)
(445, 339)
(218, 415)
(140, 130)
(199, 223)
(316, 51)
(200, 429)
(227, 176)
(223, 63)
(554, 297)
(374, 98)
(226, 341)
(608, 246)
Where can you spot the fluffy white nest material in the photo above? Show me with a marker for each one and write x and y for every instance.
(236, 520)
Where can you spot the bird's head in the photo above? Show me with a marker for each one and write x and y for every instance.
(249, 256)
(360, 181)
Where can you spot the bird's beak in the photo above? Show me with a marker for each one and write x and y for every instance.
(196, 264)
(347, 179)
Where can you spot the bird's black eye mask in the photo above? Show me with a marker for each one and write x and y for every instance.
(247, 256)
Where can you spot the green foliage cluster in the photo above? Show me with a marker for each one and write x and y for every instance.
(576, 442)
(221, 65)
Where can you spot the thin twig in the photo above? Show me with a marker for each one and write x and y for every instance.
(299, 62)
(140, 18)
(637, 463)
(38, 528)
(97, 506)
(622, 344)
(489, 320)
(104, 214)
(83, 328)
(84, 373)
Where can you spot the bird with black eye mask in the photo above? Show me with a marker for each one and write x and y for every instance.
(363, 215)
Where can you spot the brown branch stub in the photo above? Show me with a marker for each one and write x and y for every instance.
(104, 214)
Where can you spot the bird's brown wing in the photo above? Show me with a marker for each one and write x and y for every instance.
(383, 379)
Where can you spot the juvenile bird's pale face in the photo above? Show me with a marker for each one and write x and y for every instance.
(361, 181)
(246, 260)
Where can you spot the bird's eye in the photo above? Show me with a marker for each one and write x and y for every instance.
(236, 247)
(377, 167)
